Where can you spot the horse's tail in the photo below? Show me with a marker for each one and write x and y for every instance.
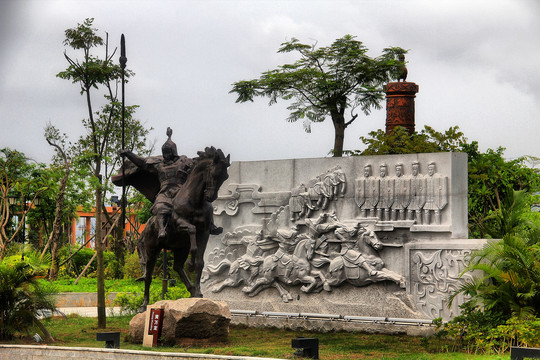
(216, 269)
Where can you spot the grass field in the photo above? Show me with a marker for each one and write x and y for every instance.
(90, 285)
(274, 343)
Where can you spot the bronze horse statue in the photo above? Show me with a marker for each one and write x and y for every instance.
(190, 223)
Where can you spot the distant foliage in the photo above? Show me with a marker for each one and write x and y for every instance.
(23, 181)
(399, 141)
(144, 213)
(492, 181)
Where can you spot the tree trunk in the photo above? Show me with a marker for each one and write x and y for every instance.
(102, 320)
(53, 271)
(44, 330)
(339, 132)
(92, 259)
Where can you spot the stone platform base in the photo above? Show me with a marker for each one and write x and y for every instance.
(299, 324)
(377, 300)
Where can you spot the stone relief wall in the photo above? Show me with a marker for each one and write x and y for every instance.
(332, 228)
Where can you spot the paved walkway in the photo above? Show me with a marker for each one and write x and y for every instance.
(88, 311)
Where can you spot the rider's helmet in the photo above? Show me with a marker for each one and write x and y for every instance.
(169, 147)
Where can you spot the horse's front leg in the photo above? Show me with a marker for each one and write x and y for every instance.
(309, 281)
(150, 264)
(142, 258)
(285, 295)
(180, 256)
(184, 226)
(320, 275)
(202, 241)
(258, 285)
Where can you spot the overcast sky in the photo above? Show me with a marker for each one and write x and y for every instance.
(476, 63)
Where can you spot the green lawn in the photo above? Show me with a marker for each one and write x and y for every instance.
(90, 285)
(80, 331)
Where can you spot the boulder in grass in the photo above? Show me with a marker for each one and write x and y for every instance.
(195, 318)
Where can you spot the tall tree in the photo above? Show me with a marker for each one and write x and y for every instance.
(93, 73)
(326, 81)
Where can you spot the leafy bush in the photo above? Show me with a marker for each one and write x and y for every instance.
(22, 298)
(113, 269)
(399, 141)
(77, 263)
(132, 268)
(510, 284)
(504, 309)
(477, 330)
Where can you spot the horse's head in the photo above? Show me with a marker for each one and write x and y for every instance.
(215, 171)
(371, 239)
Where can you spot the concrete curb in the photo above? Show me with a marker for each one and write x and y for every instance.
(31, 352)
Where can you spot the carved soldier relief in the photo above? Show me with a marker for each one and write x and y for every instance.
(386, 194)
(436, 194)
(418, 194)
(402, 194)
(367, 193)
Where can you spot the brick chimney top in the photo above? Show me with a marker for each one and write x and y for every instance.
(400, 105)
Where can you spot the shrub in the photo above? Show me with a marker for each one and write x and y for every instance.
(132, 268)
(477, 330)
(22, 297)
(77, 263)
(112, 268)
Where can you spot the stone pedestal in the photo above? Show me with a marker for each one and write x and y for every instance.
(400, 105)
(193, 318)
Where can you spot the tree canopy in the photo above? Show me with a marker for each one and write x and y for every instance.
(326, 81)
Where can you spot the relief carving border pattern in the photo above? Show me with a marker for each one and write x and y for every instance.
(434, 271)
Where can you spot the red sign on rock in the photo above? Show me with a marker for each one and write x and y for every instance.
(156, 324)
